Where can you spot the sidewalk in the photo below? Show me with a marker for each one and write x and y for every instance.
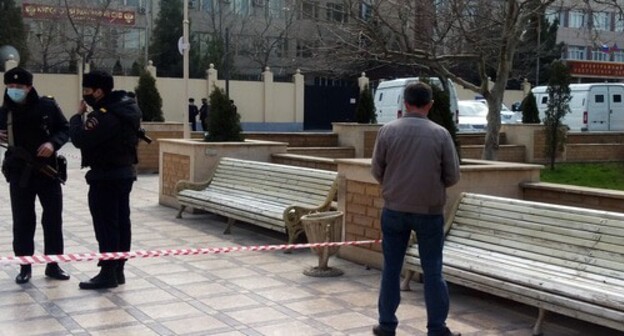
(241, 293)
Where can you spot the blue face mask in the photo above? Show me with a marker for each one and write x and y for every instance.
(16, 95)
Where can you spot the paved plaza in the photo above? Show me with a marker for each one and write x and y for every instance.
(241, 293)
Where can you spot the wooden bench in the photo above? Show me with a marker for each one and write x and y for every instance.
(562, 259)
(270, 195)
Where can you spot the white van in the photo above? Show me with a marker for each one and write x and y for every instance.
(593, 107)
(389, 98)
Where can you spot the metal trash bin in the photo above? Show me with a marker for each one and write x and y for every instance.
(323, 227)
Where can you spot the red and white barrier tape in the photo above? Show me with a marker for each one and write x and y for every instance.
(41, 259)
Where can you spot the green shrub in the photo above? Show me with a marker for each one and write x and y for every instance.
(148, 98)
(223, 119)
(365, 112)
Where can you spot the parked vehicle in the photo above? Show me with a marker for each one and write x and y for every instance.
(507, 116)
(472, 116)
(593, 107)
(389, 98)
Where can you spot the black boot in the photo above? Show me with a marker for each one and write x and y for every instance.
(107, 278)
(121, 277)
(54, 271)
(24, 274)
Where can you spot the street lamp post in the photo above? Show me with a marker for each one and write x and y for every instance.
(186, 47)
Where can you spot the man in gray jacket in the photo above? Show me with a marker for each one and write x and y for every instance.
(414, 161)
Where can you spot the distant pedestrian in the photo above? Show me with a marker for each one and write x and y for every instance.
(193, 111)
(414, 161)
(204, 113)
(234, 108)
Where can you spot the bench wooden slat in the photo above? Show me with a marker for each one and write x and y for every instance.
(265, 194)
(560, 258)
(506, 235)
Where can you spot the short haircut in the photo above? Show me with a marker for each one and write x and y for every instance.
(191, 100)
(418, 94)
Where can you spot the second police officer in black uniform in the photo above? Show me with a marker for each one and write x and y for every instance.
(107, 138)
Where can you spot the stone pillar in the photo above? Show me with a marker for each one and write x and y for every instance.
(151, 68)
(212, 75)
(10, 63)
(363, 81)
(299, 82)
(526, 87)
(268, 113)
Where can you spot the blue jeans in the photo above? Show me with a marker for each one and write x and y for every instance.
(396, 227)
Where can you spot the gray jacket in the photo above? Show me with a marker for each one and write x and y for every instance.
(415, 161)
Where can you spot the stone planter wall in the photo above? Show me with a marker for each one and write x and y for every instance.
(359, 136)
(195, 160)
(148, 153)
(580, 146)
(592, 198)
(359, 197)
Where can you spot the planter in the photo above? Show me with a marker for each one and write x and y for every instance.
(148, 153)
(359, 136)
(359, 197)
(194, 160)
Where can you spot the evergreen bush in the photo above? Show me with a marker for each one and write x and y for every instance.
(118, 69)
(365, 112)
(530, 113)
(223, 120)
(148, 98)
(558, 106)
(441, 113)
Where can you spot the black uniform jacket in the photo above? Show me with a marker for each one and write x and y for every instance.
(37, 121)
(107, 138)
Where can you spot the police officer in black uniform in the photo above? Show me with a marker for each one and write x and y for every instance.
(35, 129)
(107, 138)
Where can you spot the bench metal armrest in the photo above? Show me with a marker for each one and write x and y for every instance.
(292, 218)
(186, 184)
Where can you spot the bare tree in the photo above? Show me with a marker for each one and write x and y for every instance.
(442, 37)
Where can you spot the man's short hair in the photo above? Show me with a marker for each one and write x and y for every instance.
(418, 94)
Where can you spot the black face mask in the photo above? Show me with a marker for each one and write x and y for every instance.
(90, 100)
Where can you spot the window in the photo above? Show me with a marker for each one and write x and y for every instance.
(280, 47)
(602, 21)
(336, 13)
(599, 55)
(133, 39)
(575, 52)
(309, 10)
(577, 19)
(619, 24)
(617, 98)
(241, 7)
(381, 96)
(132, 2)
(618, 56)
(207, 5)
(599, 99)
(544, 100)
(553, 15)
(275, 9)
(366, 10)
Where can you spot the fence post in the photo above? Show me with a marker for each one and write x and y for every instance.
(212, 75)
(269, 106)
(10, 63)
(299, 83)
(363, 81)
(151, 68)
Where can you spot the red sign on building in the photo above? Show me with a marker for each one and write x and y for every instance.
(596, 69)
(108, 16)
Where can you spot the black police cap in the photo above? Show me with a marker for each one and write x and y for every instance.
(18, 76)
(98, 79)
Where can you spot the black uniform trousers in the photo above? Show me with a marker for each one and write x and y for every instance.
(24, 217)
(109, 203)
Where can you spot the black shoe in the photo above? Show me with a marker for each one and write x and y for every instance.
(24, 275)
(121, 277)
(54, 271)
(378, 331)
(105, 279)
(448, 332)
